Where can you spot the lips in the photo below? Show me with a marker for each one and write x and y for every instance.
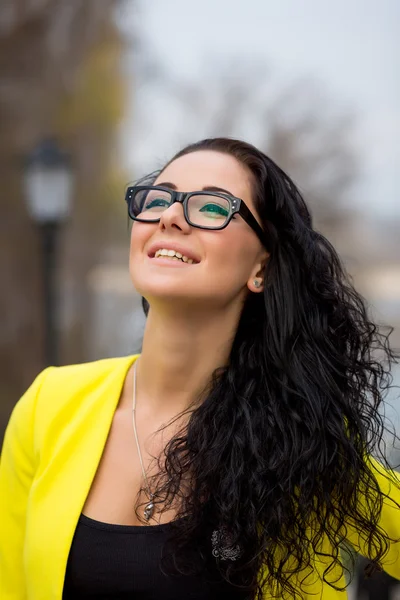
(172, 254)
(163, 245)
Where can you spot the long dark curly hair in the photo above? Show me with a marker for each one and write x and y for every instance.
(280, 435)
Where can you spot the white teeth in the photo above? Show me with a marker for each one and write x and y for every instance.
(174, 255)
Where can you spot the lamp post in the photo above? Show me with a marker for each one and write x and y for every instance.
(48, 180)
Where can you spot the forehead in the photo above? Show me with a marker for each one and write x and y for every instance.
(196, 170)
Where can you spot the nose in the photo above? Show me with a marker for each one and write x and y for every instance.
(174, 218)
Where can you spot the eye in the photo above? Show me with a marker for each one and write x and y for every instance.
(214, 210)
(156, 203)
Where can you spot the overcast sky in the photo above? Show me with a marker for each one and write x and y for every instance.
(350, 46)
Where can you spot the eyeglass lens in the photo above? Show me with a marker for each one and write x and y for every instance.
(204, 210)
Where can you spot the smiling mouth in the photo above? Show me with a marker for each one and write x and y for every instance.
(173, 255)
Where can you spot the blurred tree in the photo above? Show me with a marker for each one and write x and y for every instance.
(59, 75)
(295, 124)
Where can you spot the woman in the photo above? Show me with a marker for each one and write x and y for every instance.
(232, 458)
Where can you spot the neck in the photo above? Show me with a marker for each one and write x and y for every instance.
(179, 354)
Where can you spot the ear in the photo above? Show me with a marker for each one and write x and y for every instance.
(255, 283)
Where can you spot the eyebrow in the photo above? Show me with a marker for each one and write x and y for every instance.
(206, 188)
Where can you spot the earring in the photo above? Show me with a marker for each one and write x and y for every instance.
(257, 283)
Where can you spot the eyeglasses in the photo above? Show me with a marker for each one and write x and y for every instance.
(205, 210)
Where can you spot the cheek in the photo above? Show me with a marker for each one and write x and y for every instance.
(139, 236)
(132, 248)
(135, 233)
(233, 259)
(137, 241)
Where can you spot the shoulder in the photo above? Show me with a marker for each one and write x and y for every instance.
(61, 385)
(69, 392)
(58, 394)
(61, 401)
(77, 376)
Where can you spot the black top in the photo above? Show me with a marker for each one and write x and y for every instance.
(117, 562)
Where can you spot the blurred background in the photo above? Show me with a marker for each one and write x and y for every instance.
(94, 93)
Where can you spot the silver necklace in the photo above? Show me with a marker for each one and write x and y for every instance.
(150, 506)
(220, 539)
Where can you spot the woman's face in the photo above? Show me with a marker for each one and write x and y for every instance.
(225, 262)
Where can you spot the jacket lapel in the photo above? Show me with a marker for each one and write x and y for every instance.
(74, 446)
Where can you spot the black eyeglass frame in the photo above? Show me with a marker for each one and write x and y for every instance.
(237, 206)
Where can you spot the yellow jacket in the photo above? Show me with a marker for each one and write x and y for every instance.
(52, 447)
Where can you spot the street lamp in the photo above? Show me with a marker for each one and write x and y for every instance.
(48, 181)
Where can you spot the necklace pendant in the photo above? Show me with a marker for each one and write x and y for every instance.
(148, 510)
